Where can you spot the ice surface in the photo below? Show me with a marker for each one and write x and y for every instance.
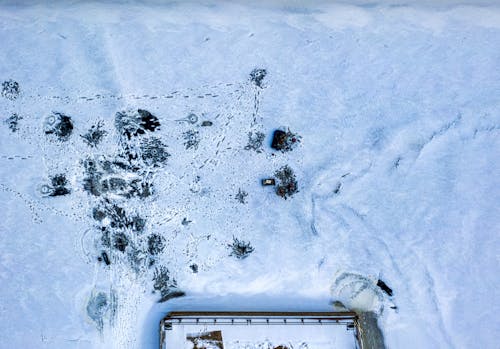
(397, 169)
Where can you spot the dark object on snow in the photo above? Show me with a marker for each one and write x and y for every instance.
(13, 122)
(268, 181)
(94, 135)
(59, 125)
(384, 287)
(166, 285)
(240, 249)
(207, 123)
(194, 268)
(185, 221)
(257, 75)
(284, 141)
(10, 89)
(105, 258)
(288, 182)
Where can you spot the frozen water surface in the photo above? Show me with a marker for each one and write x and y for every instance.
(114, 196)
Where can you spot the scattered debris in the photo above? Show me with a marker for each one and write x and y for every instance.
(13, 122)
(284, 140)
(241, 196)
(165, 285)
(207, 123)
(59, 125)
(257, 76)
(288, 182)
(10, 89)
(194, 268)
(383, 286)
(240, 249)
(192, 139)
(94, 135)
(268, 181)
(255, 141)
(154, 152)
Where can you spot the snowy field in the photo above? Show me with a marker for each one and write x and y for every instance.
(134, 138)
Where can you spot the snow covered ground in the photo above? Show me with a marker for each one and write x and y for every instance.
(397, 105)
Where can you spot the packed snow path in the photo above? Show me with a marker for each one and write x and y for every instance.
(137, 136)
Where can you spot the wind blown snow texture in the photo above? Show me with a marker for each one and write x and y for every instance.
(397, 168)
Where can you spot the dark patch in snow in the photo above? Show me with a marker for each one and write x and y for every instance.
(194, 268)
(166, 285)
(255, 141)
(59, 125)
(257, 76)
(94, 135)
(185, 221)
(240, 249)
(207, 123)
(288, 183)
(10, 89)
(13, 122)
